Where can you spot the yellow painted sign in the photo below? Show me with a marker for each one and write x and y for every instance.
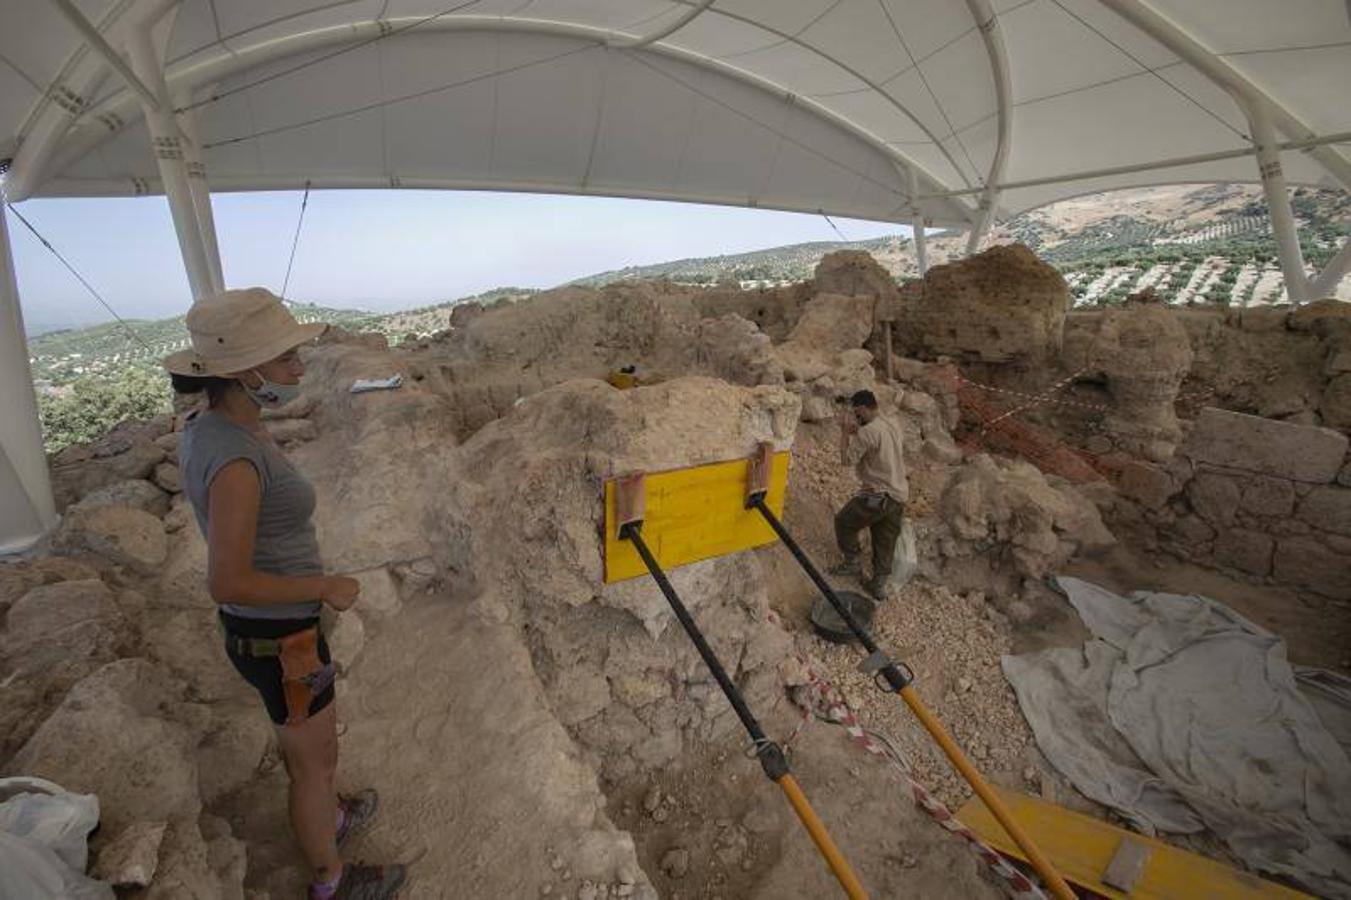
(1082, 848)
(693, 514)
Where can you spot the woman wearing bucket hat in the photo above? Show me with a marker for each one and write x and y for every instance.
(263, 563)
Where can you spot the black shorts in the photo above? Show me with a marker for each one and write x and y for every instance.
(264, 672)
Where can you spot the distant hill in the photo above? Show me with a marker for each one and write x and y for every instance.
(60, 357)
(1191, 243)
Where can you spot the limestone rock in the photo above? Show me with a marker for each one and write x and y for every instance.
(1036, 525)
(346, 639)
(72, 482)
(290, 431)
(46, 610)
(130, 859)
(136, 493)
(1149, 485)
(829, 325)
(1327, 508)
(1335, 405)
(1145, 353)
(169, 444)
(855, 273)
(379, 594)
(1001, 306)
(537, 539)
(1247, 551)
(1308, 562)
(232, 752)
(1237, 441)
(167, 476)
(1266, 496)
(122, 535)
(734, 349)
(111, 737)
(1215, 498)
(57, 634)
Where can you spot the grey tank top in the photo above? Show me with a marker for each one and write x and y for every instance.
(285, 543)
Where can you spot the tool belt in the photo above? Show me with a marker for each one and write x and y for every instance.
(303, 675)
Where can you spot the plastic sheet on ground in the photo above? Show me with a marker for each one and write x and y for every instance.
(1182, 715)
(43, 834)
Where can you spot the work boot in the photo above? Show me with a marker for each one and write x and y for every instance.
(363, 882)
(877, 587)
(357, 812)
(848, 568)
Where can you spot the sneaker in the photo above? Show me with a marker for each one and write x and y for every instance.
(363, 882)
(848, 568)
(358, 810)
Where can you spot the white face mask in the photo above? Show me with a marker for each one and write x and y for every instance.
(271, 393)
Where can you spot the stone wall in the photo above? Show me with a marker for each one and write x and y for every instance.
(1001, 306)
(1266, 498)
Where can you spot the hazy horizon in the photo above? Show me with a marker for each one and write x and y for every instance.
(381, 251)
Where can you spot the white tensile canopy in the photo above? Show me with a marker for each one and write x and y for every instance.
(942, 112)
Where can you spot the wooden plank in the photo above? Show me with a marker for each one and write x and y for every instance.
(1083, 848)
(693, 514)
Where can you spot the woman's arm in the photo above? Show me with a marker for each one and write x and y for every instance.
(232, 525)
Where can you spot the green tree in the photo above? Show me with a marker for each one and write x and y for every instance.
(93, 405)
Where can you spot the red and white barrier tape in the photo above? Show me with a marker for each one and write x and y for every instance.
(819, 699)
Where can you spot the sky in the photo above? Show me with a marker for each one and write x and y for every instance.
(378, 250)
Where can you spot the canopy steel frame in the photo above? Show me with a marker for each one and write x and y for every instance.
(661, 33)
(94, 38)
(170, 151)
(1265, 115)
(191, 76)
(988, 25)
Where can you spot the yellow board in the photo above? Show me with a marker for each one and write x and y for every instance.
(1081, 847)
(694, 514)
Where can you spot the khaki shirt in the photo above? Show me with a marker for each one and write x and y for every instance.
(875, 452)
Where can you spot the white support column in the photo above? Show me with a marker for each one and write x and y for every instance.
(27, 510)
(917, 225)
(169, 156)
(1278, 204)
(201, 190)
(1325, 285)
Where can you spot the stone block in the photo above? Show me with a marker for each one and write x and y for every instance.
(129, 860)
(1148, 485)
(1215, 498)
(1247, 551)
(1267, 496)
(1308, 562)
(134, 492)
(1335, 406)
(1329, 509)
(123, 535)
(1234, 440)
(167, 477)
(1191, 530)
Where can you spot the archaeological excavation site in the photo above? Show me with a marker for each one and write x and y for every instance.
(1121, 588)
(999, 548)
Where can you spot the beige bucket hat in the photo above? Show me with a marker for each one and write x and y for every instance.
(236, 330)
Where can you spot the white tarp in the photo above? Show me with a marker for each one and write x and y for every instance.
(1182, 715)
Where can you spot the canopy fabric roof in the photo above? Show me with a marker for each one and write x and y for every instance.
(812, 105)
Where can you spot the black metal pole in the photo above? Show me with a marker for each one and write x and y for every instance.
(892, 672)
(771, 755)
